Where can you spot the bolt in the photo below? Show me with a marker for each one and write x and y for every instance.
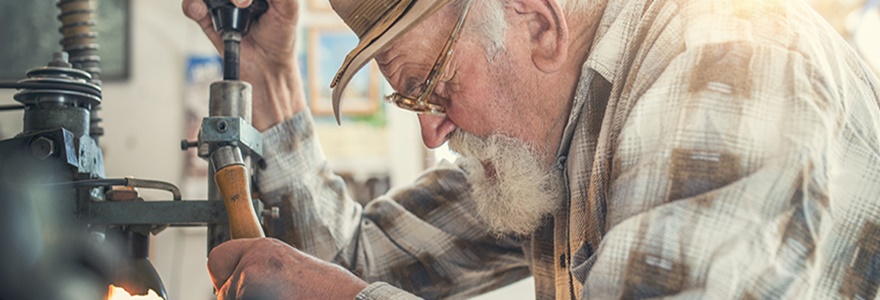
(60, 59)
(262, 164)
(222, 126)
(184, 144)
(42, 147)
(273, 212)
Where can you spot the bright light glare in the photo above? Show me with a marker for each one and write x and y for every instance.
(118, 293)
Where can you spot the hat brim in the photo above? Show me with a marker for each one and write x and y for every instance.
(419, 10)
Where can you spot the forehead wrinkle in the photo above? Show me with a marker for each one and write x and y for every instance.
(415, 50)
(391, 63)
(404, 54)
(386, 60)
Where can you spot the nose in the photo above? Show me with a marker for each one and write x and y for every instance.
(435, 130)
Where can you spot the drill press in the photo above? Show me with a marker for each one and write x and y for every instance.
(70, 231)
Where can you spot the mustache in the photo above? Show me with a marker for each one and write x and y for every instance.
(512, 189)
(465, 143)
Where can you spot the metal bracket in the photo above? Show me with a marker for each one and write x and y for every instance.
(221, 131)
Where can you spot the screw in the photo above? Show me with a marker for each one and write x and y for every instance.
(273, 212)
(42, 147)
(60, 59)
(222, 126)
(262, 164)
(184, 144)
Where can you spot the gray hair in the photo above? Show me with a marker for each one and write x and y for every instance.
(492, 27)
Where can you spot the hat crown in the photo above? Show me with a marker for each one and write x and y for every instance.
(362, 15)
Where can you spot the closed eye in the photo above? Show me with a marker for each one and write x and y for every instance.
(412, 86)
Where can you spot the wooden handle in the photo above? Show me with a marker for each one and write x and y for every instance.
(233, 182)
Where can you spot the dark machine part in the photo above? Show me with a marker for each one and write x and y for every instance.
(69, 231)
(79, 40)
(49, 174)
(133, 271)
(49, 255)
(58, 96)
(232, 23)
(55, 97)
(54, 203)
(60, 254)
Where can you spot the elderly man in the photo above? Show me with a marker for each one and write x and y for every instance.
(610, 149)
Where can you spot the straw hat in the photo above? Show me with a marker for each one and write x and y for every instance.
(376, 23)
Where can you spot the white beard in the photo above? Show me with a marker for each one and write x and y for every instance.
(519, 193)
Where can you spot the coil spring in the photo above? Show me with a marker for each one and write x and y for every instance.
(78, 40)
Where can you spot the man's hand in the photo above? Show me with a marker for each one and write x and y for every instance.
(270, 269)
(268, 58)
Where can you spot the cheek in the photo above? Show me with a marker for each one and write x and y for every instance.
(482, 102)
(479, 107)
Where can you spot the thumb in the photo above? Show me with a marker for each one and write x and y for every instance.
(198, 11)
(224, 259)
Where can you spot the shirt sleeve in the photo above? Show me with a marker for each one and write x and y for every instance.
(422, 238)
(384, 291)
(743, 173)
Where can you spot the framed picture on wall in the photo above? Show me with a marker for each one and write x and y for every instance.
(31, 34)
(327, 47)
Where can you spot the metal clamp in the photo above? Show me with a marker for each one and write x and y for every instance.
(221, 131)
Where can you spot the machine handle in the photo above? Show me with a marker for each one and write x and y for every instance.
(227, 17)
(232, 181)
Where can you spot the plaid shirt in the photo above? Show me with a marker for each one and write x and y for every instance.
(716, 149)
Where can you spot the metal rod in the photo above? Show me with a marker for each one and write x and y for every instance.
(11, 107)
(130, 182)
(155, 184)
(174, 213)
(231, 53)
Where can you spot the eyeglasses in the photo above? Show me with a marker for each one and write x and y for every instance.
(420, 103)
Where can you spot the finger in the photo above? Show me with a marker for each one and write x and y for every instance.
(224, 258)
(198, 11)
(224, 292)
(283, 8)
(280, 19)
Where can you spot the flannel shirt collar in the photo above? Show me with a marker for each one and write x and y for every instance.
(603, 60)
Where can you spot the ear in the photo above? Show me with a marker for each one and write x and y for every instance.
(548, 32)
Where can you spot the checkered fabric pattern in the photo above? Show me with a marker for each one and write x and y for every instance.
(717, 149)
